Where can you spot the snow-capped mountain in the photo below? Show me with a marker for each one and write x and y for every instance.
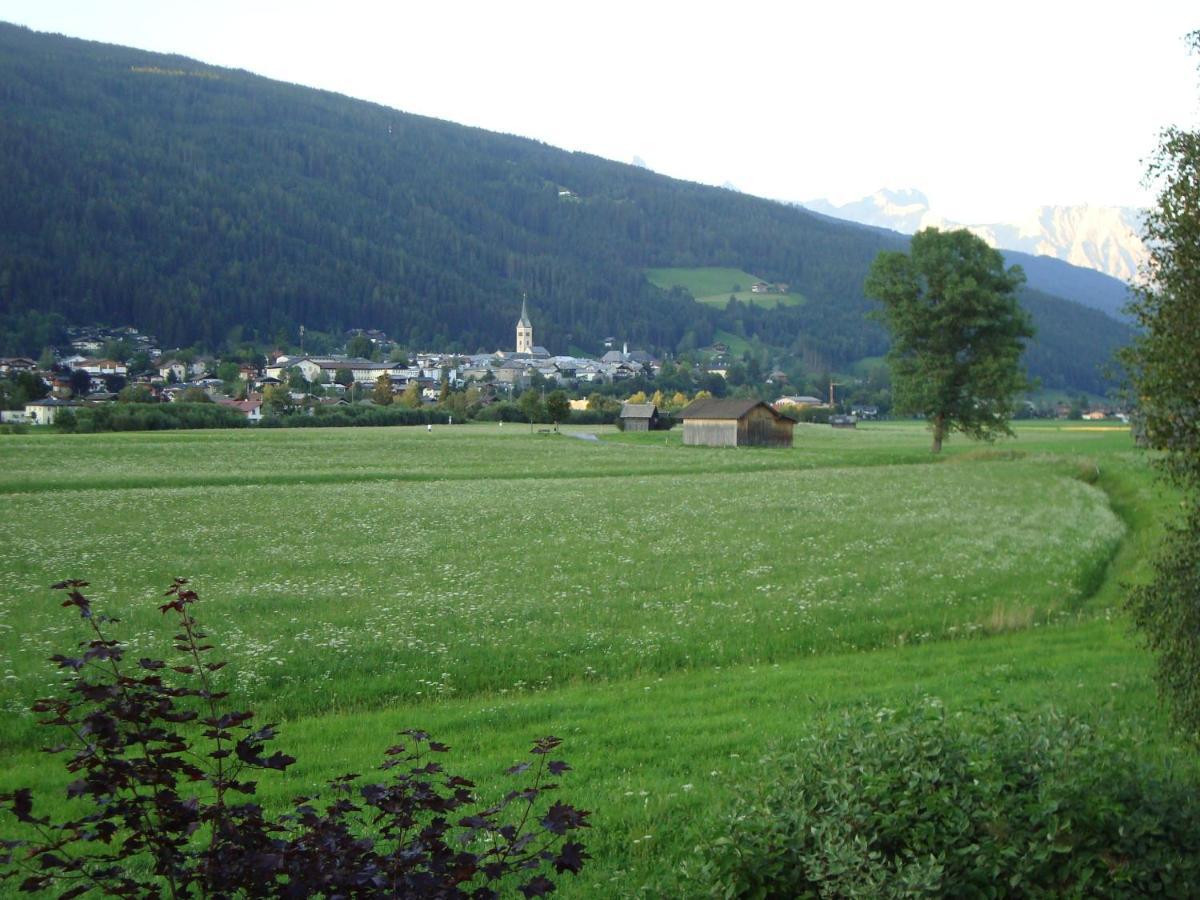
(906, 211)
(1104, 238)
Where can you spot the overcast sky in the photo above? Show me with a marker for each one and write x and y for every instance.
(991, 111)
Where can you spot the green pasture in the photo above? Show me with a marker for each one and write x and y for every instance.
(713, 286)
(704, 281)
(672, 612)
(737, 345)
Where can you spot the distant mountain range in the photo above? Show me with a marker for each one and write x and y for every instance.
(208, 204)
(1104, 238)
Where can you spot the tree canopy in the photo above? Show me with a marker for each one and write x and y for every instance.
(957, 332)
(1164, 371)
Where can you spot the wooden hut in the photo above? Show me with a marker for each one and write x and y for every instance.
(639, 417)
(735, 423)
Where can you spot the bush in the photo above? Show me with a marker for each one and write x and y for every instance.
(502, 411)
(818, 415)
(886, 804)
(161, 767)
(594, 416)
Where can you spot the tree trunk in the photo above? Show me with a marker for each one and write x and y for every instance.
(939, 432)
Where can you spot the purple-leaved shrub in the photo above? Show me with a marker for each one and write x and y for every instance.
(162, 772)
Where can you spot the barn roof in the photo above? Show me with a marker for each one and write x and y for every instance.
(718, 409)
(637, 410)
(725, 409)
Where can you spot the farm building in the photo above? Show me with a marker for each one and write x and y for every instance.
(735, 423)
(639, 417)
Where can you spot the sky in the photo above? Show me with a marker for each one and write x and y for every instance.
(990, 111)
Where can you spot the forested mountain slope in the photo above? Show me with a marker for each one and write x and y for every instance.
(191, 201)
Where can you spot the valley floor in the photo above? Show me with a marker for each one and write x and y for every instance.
(675, 614)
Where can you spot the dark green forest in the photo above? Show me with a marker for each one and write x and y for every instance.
(210, 205)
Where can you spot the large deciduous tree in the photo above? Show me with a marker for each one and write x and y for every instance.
(957, 332)
(1164, 374)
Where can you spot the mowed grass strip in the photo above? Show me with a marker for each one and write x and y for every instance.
(43, 462)
(48, 462)
(345, 596)
(658, 758)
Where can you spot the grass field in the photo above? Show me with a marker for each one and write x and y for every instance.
(672, 612)
(713, 286)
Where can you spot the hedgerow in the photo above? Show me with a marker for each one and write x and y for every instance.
(361, 416)
(148, 417)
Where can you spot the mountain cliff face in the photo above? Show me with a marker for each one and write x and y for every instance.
(1104, 238)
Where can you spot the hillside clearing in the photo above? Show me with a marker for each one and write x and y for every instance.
(713, 286)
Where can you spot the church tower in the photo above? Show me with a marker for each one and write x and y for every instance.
(524, 330)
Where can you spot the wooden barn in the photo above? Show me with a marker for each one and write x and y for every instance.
(735, 423)
(639, 417)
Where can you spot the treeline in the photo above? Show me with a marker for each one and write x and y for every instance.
(198, 202)
(172, 416)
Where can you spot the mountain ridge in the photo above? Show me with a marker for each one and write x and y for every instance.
(1103, 238)
(204, 203)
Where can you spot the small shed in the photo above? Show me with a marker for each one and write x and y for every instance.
(639, 417)
(735, 423)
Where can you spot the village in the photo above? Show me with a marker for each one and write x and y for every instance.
(304, 383)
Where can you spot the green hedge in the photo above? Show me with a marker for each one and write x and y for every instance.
(886, 804)
(147, 417)
(357, 416)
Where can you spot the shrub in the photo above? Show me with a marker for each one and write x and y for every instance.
(502, 411)
(594, 416)
(818, 415)
(887, 804)
(161, 766)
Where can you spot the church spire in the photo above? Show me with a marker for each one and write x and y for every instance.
(524, 330)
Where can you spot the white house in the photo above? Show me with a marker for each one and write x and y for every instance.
(44, 412)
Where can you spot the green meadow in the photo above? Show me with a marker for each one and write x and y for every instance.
(674, 613)
(713, 286)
